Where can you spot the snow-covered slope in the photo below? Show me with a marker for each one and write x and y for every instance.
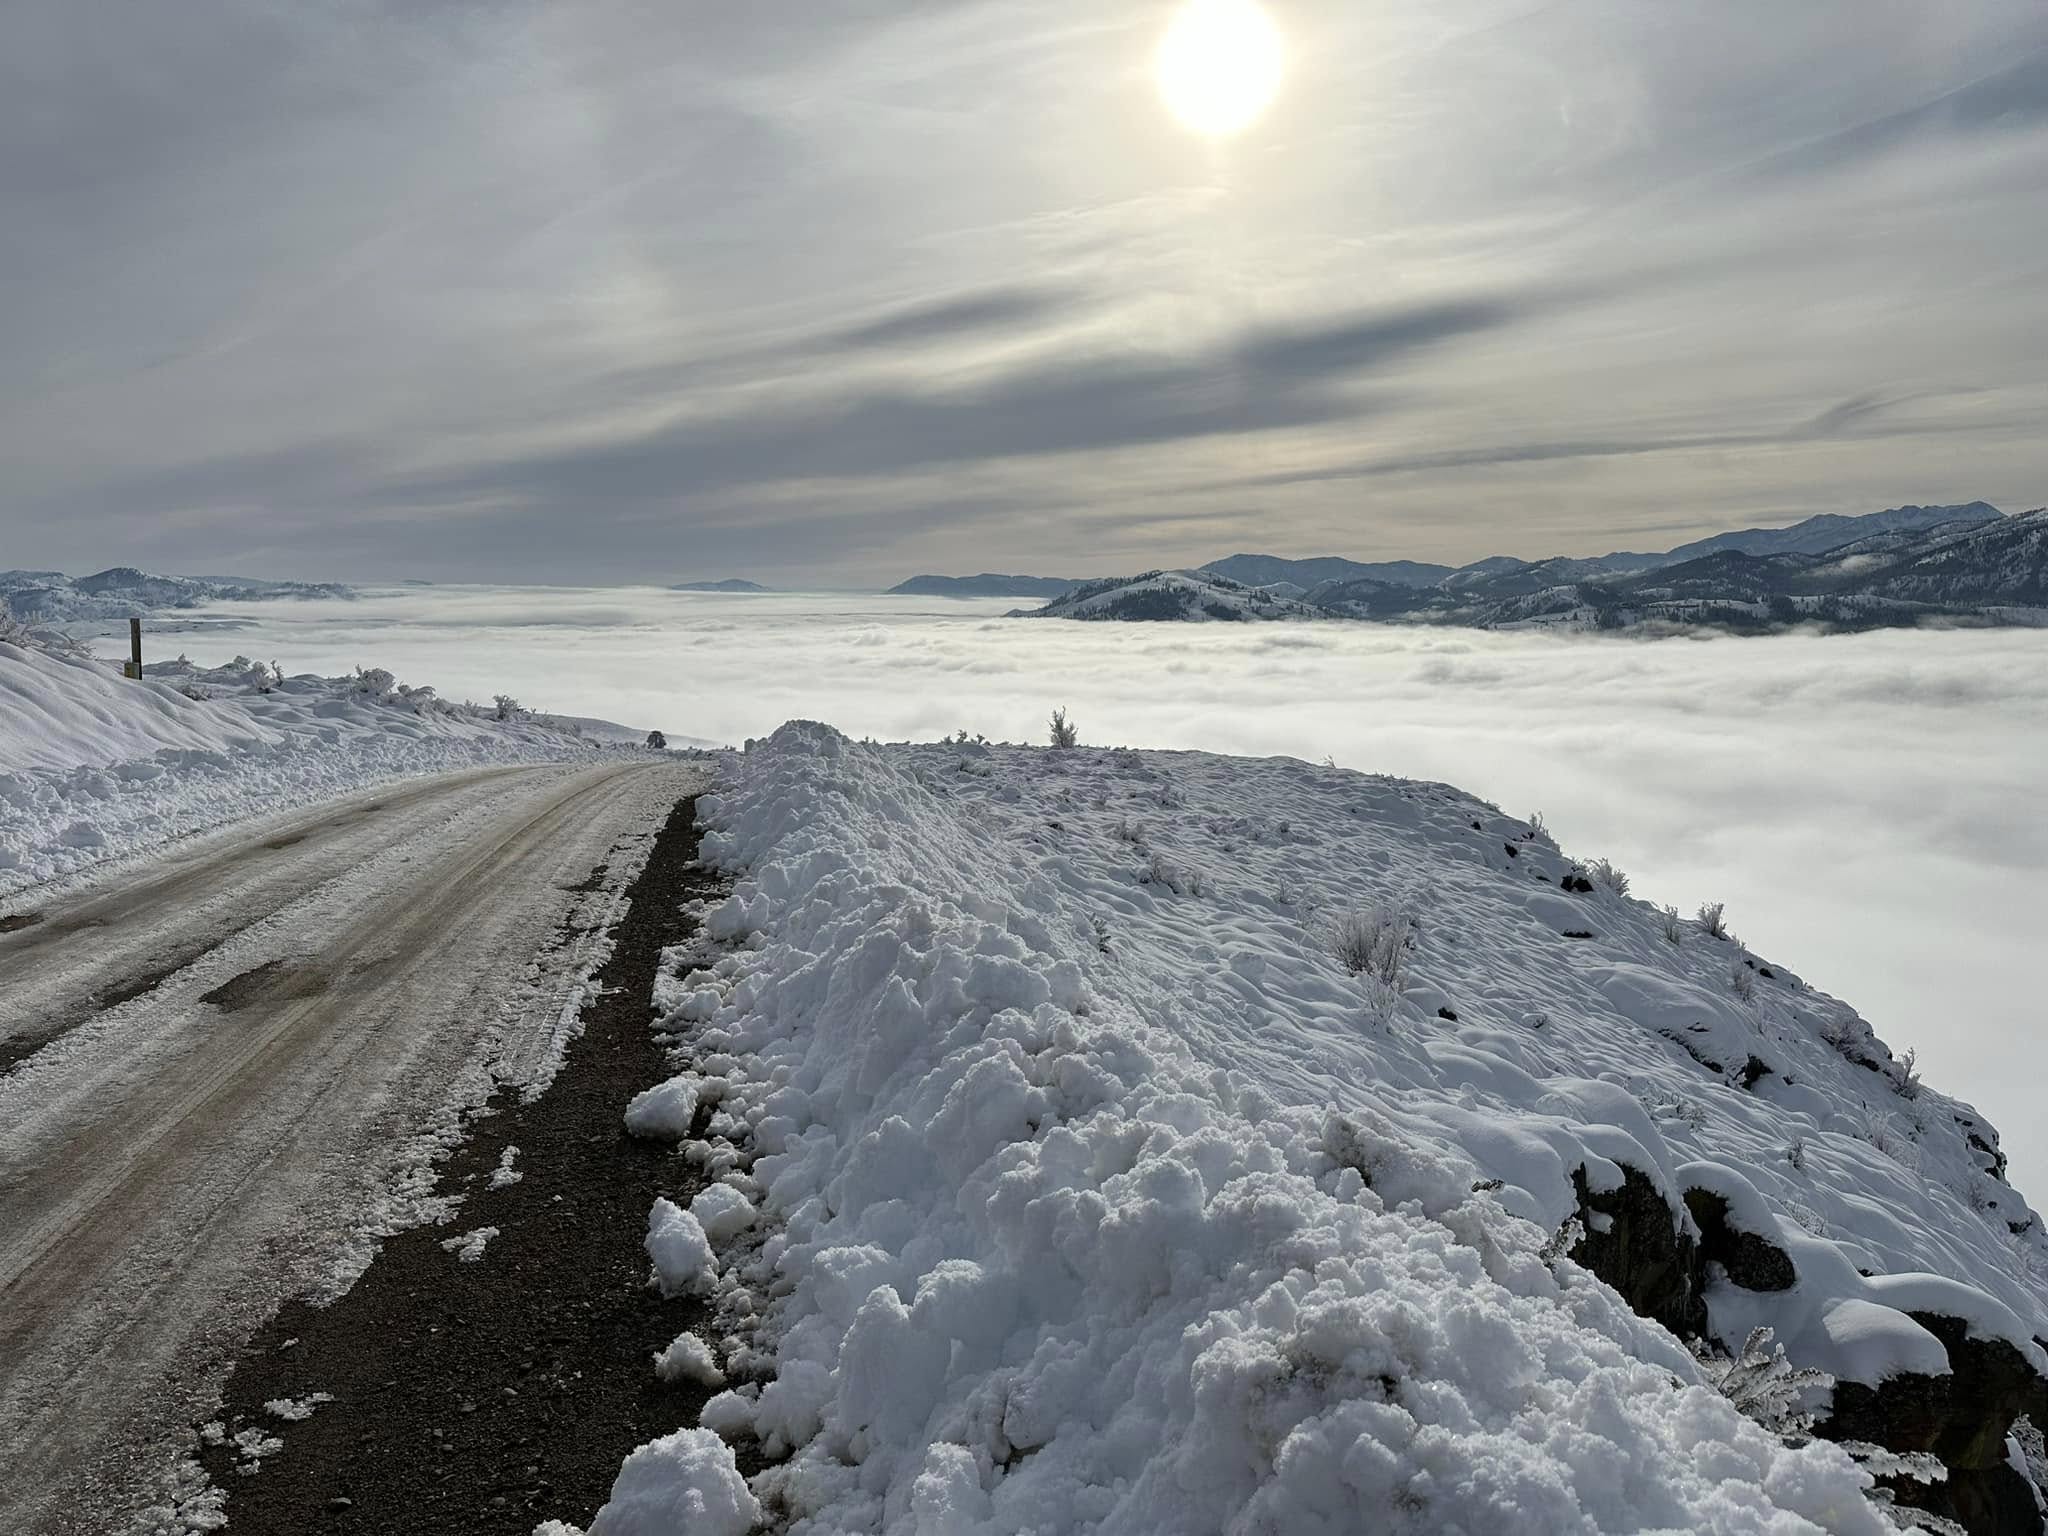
(93, 765)
(1180, 1144)
(1817, 535)
(1191, 596)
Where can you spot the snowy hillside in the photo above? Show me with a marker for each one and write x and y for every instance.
(1189, 596)
(93, 765)
(1170, 1143)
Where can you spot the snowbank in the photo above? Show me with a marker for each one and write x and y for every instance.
(93, 765)
(1103, 1197)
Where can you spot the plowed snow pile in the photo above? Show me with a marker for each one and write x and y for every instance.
(93, 765)
(1102, 1194)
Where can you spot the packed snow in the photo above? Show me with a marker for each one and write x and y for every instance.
(94, 766)
(1096, 1201)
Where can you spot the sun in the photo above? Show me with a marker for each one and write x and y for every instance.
(1219, 65)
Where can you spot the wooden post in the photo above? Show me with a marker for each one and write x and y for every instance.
(134, 667)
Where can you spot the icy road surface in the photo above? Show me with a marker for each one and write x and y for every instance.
(224, 1073)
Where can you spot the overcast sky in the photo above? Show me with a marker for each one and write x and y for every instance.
(652, 289)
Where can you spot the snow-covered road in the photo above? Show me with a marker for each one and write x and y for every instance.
(225, 1072)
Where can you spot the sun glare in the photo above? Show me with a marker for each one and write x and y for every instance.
(1219, 65)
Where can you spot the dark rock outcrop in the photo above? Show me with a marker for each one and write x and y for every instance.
(1634, 1242)
(1752, 1262)
(1963, 1418)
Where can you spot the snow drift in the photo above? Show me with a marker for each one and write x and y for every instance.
(93, 765)
(1098, 1193)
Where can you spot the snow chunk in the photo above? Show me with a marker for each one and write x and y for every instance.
(505, 1175)
(665, 1111)
(469, 1247)
(722, 1211)
(293, 1409)
(683, 1261)
(686, 1481)
(688, 1358)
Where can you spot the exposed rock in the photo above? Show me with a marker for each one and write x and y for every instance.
(1643, 1251)
(1963, 1418)
(1751, 1261)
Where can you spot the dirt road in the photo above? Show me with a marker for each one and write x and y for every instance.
(224, 1074)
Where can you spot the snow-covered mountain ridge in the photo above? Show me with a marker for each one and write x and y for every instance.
(1908, 566)
(1160, 1142)
(51, 596)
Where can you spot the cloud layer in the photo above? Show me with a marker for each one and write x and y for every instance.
(600, 291)
(1866, 806)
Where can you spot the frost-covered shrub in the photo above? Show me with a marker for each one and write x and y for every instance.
(18, 633)
(374, 682)
(2033, 1453)
(505, 707)
(1674, 925)
(1713, 919)
(1879, 1131)
(1765, 1386)
(1129, 831)
(1742, 981)
(1603, 874)
(1907, 1083)
(1178, 878)
(1064, 732)
(1374, 941)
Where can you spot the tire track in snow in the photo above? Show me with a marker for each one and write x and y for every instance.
(170, 1171)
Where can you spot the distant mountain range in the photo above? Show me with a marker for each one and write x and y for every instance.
(123, 591)
(730, 584)
(1904, 566)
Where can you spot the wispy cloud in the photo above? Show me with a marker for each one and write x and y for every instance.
(400, 285)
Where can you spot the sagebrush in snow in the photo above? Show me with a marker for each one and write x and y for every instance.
(1674, 925)
(1907, 1083)
(1603, 874)
(1374, 941)
(1064, 732)
(1178, 878)
(1713, 919)
(1742, 981)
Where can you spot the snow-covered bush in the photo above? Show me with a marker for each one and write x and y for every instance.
(1603, 874)
(1673, 924)
(1907, 1083)
(373, 682)
(1064, 732)
(1742, 981)
(55, 642)
(1713, 919)
(1765, 1386)
(1374, 941)
(505, 707)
